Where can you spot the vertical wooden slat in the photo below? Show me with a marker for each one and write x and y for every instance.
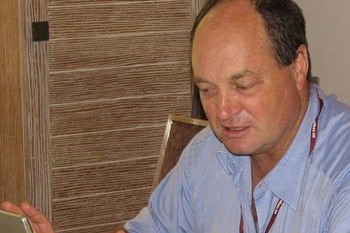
(35, 107)
(12, 155)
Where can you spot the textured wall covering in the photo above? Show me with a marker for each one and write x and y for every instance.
(116, 70)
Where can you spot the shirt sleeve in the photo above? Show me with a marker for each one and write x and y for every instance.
(169, 209)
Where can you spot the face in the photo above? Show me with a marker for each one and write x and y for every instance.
(253, 105)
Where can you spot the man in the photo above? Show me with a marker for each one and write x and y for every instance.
(276, 157)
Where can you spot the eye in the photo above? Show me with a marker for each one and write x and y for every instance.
(206, 89)
(247, 85)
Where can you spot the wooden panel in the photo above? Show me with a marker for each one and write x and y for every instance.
(75, 54)
(60, 3)
(25, 106)
(116, 114)
(118, 17)
(82, 149)
(37, 112)
(110, 208)
(117, 69)
(12, 154)
(92, 85)
(103, 228)
(103, 177)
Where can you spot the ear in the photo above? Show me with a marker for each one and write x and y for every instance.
(301, 67)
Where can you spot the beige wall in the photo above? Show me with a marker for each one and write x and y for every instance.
(328, 31)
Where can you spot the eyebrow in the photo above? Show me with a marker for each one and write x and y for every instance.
(197, 79)
(242, 74)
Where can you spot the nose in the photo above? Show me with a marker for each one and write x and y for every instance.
(228, 106)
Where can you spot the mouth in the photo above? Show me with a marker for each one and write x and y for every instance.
(235, 132)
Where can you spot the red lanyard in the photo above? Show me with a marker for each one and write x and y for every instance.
(313, 138)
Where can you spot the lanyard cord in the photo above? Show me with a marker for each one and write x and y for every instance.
(313, 138)
(314, 128)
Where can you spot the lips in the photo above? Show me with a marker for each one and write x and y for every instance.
(236, 131)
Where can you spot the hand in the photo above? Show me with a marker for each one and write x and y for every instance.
(38, 222)
(121, 231)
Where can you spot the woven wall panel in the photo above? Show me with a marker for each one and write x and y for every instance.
(97, 53)
(104, 209)
(82, 149)
(103, 228)
(116, 114)
(59, 3)
(117, 68)
(119, 82)
(102, 178)
(118, 17)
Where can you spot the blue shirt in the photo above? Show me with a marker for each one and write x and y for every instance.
(210, 188)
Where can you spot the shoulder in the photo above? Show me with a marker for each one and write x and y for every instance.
(332, 153)
(335, 123)
(201, 154)
(202, 146)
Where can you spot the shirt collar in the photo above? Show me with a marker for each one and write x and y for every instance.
(286, 179)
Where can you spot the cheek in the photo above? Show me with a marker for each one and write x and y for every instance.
(206, 103)
(263, 109)
(278, 110)
(208, 108)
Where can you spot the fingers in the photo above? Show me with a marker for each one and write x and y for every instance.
(24, 209)
(32, 213)
(121, 231)
(8, 206)
(38, 221)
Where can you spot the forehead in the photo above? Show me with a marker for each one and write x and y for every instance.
(231, 30)
(229, 19)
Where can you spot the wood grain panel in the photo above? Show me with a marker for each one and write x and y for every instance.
(119, 17)
(103, 228)
(37, 111)
(116, 114)
(78, 54)
(103, 177)
(100, 209)
(82, 149)
(60, 3)
(12, 151)
(92, 85)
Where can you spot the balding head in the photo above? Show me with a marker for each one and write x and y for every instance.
(283, 21)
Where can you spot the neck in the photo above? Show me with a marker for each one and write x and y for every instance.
(261, 167)
(262, 164)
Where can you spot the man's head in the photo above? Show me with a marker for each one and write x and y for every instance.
(253, 92)
(284, 23)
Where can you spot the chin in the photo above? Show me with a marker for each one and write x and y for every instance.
(242, 150)
(239, 152)
(236, 147)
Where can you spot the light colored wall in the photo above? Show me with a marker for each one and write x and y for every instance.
(328, 32)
